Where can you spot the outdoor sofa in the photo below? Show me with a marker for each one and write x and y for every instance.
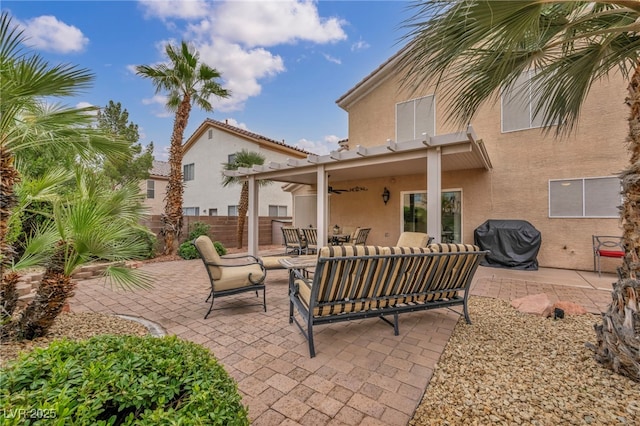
(355, 282)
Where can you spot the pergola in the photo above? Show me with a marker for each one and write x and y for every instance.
(435, 154)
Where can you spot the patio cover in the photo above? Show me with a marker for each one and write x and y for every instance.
(435, 154)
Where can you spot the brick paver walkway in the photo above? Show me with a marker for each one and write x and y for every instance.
(362, 373)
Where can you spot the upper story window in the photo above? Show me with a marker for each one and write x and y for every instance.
(188, 172)
(277, 211)
(415, 118)
(151, 186)
(519, 104)
(232, 210)
(585, 197)
(213, 212)
(210, 133)
(191, 211)
(231, 158)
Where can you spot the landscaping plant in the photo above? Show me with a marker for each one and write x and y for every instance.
(120, 380)
(187, 81)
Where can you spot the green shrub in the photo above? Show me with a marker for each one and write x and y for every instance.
(150, 240)
(220, 248)
(197, 229)
(188, 251)
(120, 380)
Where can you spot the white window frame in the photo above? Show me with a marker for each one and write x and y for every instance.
(213, 212)
(151, 188)
(424, 191)
(584, 200)
(233, 210)
(529, 103)
(415, 102)
(188, 172)
(279, 210)
(186, 211)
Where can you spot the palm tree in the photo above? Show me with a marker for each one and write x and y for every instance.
(187, 82)
(88, 225)
(471, 49)
(246, 159)
(28, 119)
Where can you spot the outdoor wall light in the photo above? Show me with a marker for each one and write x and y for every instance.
(385, 195)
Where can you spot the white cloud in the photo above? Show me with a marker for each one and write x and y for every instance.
(330, 143)
(269, 23)
(235, 123)
(360, 45)
(332, 59)
(159, 103)
(48, 33)
(241, 71)
(235, 36)
(182, 9)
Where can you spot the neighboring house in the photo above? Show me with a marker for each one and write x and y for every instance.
(448, 181)
(213, 144)
(155, 188)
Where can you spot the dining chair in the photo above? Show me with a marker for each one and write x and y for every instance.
(361, 237)
(293, 242)
(311, 240)
(606, 246)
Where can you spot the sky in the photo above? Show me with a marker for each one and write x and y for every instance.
(285, 62)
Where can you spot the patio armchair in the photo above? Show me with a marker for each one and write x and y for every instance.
(310, 240)
(293, 242)
(413, 239)
(231, 274)
(361, 237)
(606, 246)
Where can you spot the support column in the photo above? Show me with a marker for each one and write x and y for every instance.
(434, 189)
(252, 217)
(322, 205)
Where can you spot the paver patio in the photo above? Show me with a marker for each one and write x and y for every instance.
(362, 373)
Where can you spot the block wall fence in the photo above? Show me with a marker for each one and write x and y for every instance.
(223, 229)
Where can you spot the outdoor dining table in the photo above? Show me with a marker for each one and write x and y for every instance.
(339, 239)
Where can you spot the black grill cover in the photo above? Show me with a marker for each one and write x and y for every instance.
(513, 244)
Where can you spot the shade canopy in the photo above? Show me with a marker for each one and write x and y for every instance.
(431, 154)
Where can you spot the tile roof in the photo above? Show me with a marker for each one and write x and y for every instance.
(225, 125)
(160, 168)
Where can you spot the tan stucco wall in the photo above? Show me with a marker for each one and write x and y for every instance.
(517, 187)
(155, 205)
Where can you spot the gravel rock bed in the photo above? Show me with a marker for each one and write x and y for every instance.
(74, 326)
(510, 368)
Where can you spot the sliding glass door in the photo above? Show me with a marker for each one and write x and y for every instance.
(414, 209)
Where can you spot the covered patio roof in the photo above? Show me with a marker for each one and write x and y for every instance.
(430, 154)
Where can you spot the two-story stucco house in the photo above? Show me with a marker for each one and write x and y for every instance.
(448, 181)
(204, 153)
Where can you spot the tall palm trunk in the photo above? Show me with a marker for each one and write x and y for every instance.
(242, 212)
(9, 177)
(172, 216)
(618, 336)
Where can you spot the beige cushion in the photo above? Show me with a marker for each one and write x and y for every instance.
(273, 262)
(413, 239)
(238, 276)
(209, 254)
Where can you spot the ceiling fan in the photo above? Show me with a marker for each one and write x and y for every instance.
(333, 190)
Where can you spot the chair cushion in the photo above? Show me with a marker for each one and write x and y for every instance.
(611, 253)
(232, 277)
(209, 254)
(273, 262)
(412, 239)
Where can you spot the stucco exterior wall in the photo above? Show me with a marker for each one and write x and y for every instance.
(517, 186)
(155, 205)
(206, 190)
